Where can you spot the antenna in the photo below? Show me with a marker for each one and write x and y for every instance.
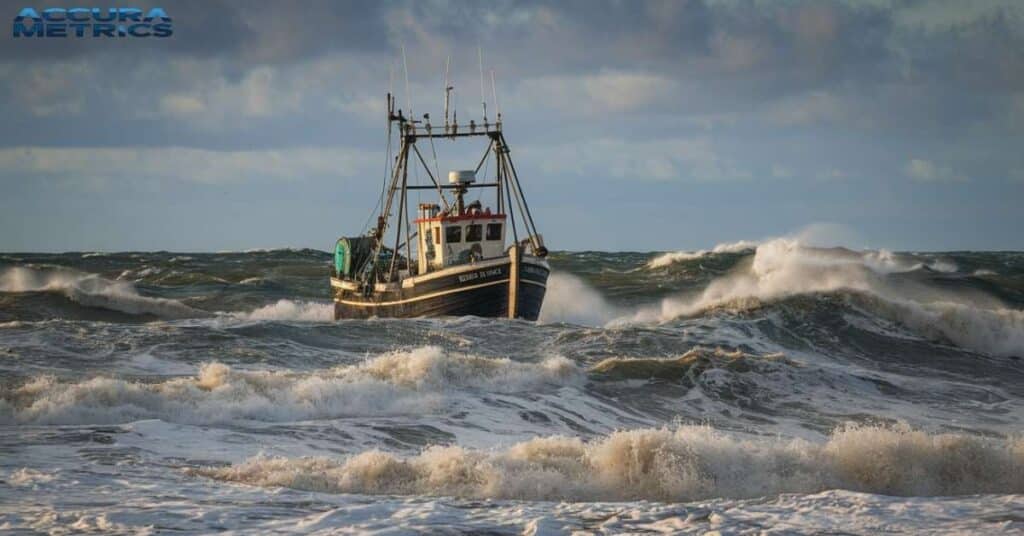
(391, 96)
(483, 100)
(408, 94)
(494, 90)
(447, 90)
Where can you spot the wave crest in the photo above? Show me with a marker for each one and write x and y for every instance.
(410, 382)
(92, 290)
(672, 257)
(682, 464)
(286, 310)
(782, 268)
(690, 364)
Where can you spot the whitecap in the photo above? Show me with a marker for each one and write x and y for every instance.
(395, 383)
(681, 464)
(672, 257)
(91, 290)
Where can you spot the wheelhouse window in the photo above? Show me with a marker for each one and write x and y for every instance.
(474, 232)
(453, 234)
(494, 231)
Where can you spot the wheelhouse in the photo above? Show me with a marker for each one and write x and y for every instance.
(444, 240)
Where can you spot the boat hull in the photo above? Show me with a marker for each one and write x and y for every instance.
(478, 290)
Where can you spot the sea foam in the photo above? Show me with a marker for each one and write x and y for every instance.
(685, 463)
(288, 310)
(401, 382)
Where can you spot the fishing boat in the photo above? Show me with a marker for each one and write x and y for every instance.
(456, 258)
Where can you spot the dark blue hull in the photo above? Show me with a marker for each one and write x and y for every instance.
(477, 291)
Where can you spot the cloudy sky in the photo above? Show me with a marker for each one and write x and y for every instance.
(635, 125)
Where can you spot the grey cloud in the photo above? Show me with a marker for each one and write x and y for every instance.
(201, 29)
(250, 75)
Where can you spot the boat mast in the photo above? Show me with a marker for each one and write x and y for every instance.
(447, 93)
(402, 215)
(509, 194)
(400, 171)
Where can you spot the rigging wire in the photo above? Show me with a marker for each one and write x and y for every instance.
(408, 94)
(487, 165)
(419, 201)
(483, 99)
(494, 90)
(389, 164)
(437, 170)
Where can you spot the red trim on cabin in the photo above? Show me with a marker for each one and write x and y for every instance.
(480, 216)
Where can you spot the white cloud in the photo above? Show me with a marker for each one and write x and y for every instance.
(816, 107)
(927, 171)
(181, 105)
(98, 167)
(208, 101)
(203, 93)
(692, 159)
(46, 90)
(339, 85)
(594, 94)
(739, 53)
(831, 174)
(943, 15)
(781, 172)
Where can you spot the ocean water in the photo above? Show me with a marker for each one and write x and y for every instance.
(752, 387)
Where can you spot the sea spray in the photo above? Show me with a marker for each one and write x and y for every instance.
(667, 259)
(570, 299)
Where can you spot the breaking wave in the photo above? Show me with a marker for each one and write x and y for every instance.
(410, 382)
(672, 257)
(92, 290)
(691, 364)
(783, 267)
(285, 310)
(685, 463)
(997, 331)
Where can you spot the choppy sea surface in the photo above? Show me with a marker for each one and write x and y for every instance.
(750, 388)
